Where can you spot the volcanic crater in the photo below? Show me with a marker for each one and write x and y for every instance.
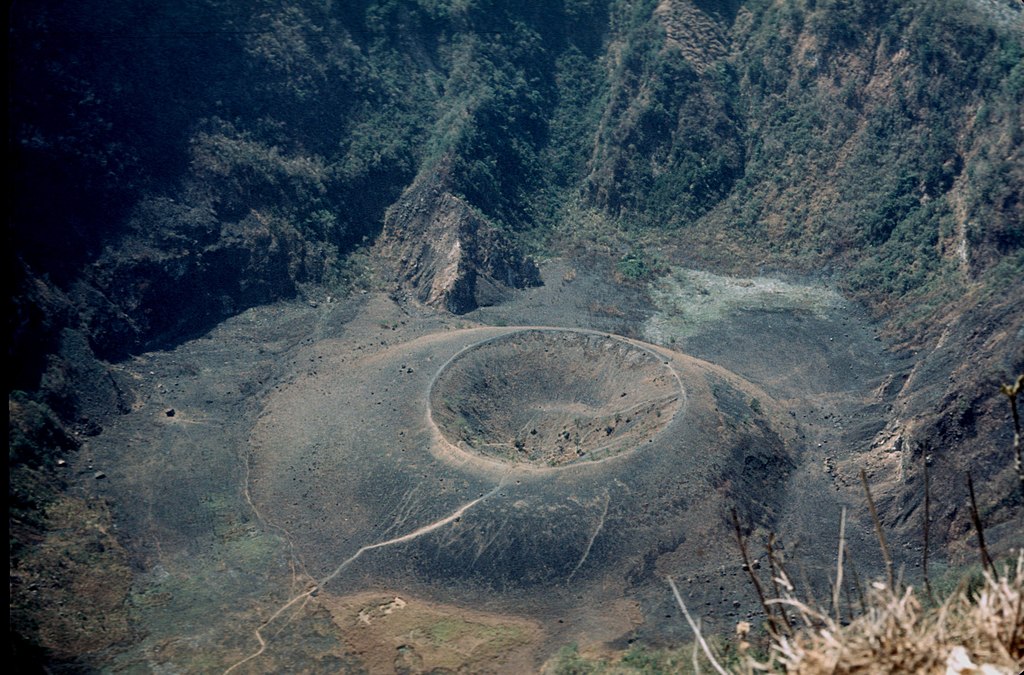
(551, 398)
(515, 459)
(381, 457)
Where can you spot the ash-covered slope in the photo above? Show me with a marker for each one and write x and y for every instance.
(586, 486)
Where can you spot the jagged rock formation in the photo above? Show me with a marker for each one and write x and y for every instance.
(438, 249)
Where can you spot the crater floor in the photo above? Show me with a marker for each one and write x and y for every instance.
(336, 480)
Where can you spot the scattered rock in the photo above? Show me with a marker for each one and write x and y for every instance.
(170, 412)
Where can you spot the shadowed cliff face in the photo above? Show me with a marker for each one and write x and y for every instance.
(178, 164)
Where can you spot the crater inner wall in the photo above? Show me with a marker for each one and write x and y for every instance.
(552, 398)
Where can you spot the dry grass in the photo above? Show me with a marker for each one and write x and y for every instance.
(978, 628)
(970, 632)
(975, 631)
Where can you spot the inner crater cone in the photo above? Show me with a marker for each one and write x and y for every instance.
(553, 398)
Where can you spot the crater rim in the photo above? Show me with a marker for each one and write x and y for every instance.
(606, 424)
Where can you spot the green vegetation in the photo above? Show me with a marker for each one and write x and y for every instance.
(636, 265)
(641, 660)
(869, 168)
(879, 137)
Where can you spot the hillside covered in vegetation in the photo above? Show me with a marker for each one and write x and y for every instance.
(879, 140)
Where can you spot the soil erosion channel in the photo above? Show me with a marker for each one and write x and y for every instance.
(535, 467)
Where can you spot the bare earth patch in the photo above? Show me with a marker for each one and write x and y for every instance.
(392, 632)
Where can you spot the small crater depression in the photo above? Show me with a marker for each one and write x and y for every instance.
(551, 398)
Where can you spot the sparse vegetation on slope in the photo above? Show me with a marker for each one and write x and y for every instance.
(977, 628)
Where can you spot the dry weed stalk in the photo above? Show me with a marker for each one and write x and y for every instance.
(777, 574)
(926, 525)
(856, 583)
(879, 532)
(896, 634)
(773, 629)
(1012, 391)
(986, 559)
(696, 632)
(838, 586)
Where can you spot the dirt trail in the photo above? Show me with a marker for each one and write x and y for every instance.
(419, 532)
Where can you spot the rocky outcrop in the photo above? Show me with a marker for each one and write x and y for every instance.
(949, 413)
(439, 250)
(178, 272)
